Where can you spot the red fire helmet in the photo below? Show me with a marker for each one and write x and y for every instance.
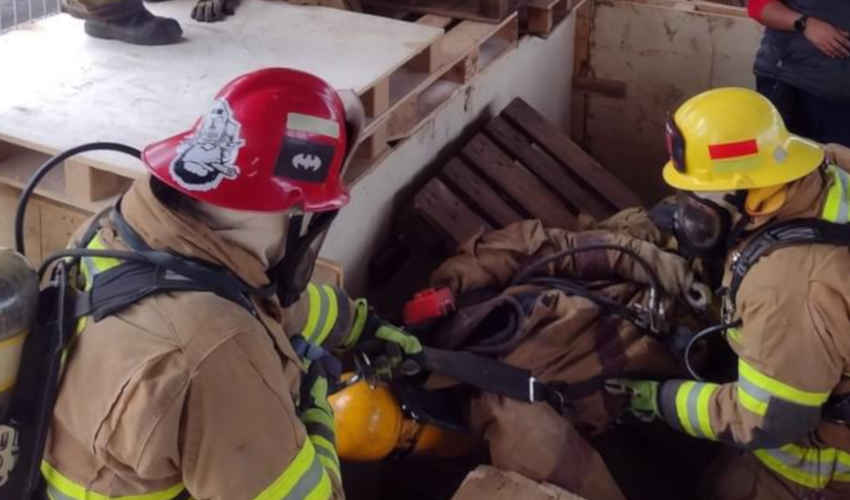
(274, 139)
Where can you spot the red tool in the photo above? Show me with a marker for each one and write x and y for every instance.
(428, 305)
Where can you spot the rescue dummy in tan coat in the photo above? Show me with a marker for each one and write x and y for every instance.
(566, 338)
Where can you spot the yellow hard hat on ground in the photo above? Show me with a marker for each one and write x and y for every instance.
(734, 138)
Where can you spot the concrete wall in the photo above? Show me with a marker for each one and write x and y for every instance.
(539, 71)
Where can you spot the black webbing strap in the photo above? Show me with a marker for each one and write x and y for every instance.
(497, 377)
(780, 235)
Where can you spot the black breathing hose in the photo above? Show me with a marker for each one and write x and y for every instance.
(535, 266)
(702, 334)
(47, 167)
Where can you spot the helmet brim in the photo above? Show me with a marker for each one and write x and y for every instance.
(277, 196)
(798, 158)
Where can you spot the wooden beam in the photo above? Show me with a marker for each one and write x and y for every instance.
(615, 89)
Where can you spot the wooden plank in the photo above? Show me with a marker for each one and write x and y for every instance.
(376, 100)
(32, 223)
(581, 58)
(491, 11)
(524, 187)
(547, 169)
(486, 482)
(58, 223)
(447, 212)
(436, 21)
(476, 189)
(561, 147)
(143, 97)
(86, 184)
(458, 62)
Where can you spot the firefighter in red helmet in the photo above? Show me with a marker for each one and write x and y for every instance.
(217, 395)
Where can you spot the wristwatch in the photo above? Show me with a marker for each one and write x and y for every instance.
(800, 23)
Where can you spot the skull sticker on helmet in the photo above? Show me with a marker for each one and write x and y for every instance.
(209, 155)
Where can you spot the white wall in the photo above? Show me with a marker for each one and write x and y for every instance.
(539, 71)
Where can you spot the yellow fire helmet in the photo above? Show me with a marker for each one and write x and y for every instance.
(734, 138)
(370, 425)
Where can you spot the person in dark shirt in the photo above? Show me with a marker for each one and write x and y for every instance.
(803, 65)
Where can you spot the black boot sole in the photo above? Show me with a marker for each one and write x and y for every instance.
(101, 29)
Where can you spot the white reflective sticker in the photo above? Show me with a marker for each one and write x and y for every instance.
(8, 452)
(312, 124)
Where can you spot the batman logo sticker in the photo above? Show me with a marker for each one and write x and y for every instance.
(307, 162)
(304, 160)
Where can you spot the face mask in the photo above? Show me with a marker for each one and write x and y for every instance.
(703, 222)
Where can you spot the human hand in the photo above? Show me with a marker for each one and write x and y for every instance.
(832, 41)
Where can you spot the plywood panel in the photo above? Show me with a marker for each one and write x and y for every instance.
(663, 53)
(84, 89)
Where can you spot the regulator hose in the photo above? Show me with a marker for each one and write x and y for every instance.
(47, 167)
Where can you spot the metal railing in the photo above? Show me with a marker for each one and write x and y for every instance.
(15, 12)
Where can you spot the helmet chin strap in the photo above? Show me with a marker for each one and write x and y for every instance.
(294, 271)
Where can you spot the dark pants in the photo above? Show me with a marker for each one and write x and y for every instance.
(813, 117)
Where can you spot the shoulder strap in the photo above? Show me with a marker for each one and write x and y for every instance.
(780, 235)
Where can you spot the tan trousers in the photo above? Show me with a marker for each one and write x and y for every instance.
(537, 442)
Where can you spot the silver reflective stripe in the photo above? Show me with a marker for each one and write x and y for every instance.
(812, 467)
(308, 481)
(753, 390)
(842, 206)
(324, 307)
(91, 269)
(55, 494)
(693, 412)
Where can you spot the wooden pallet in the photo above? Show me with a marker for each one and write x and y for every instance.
(406, 100)
(519, 166)
(488, 11)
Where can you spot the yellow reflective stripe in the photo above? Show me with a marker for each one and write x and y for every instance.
(703, 401)
(70, 489)
(101, 263)
(752, 404)
(327, 453)
(734, 334)
(10, 359)
(780, 389)
(810, 467)
(318, 415)
(331, 316)
(361, 312)
(323, 490)
(331, 467)
(314, 302)
(836, 207)
(682, 406)
(299, 468)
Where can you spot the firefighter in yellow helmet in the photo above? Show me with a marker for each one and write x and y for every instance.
(739, 175)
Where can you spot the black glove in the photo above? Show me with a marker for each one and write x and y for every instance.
(207, 11)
